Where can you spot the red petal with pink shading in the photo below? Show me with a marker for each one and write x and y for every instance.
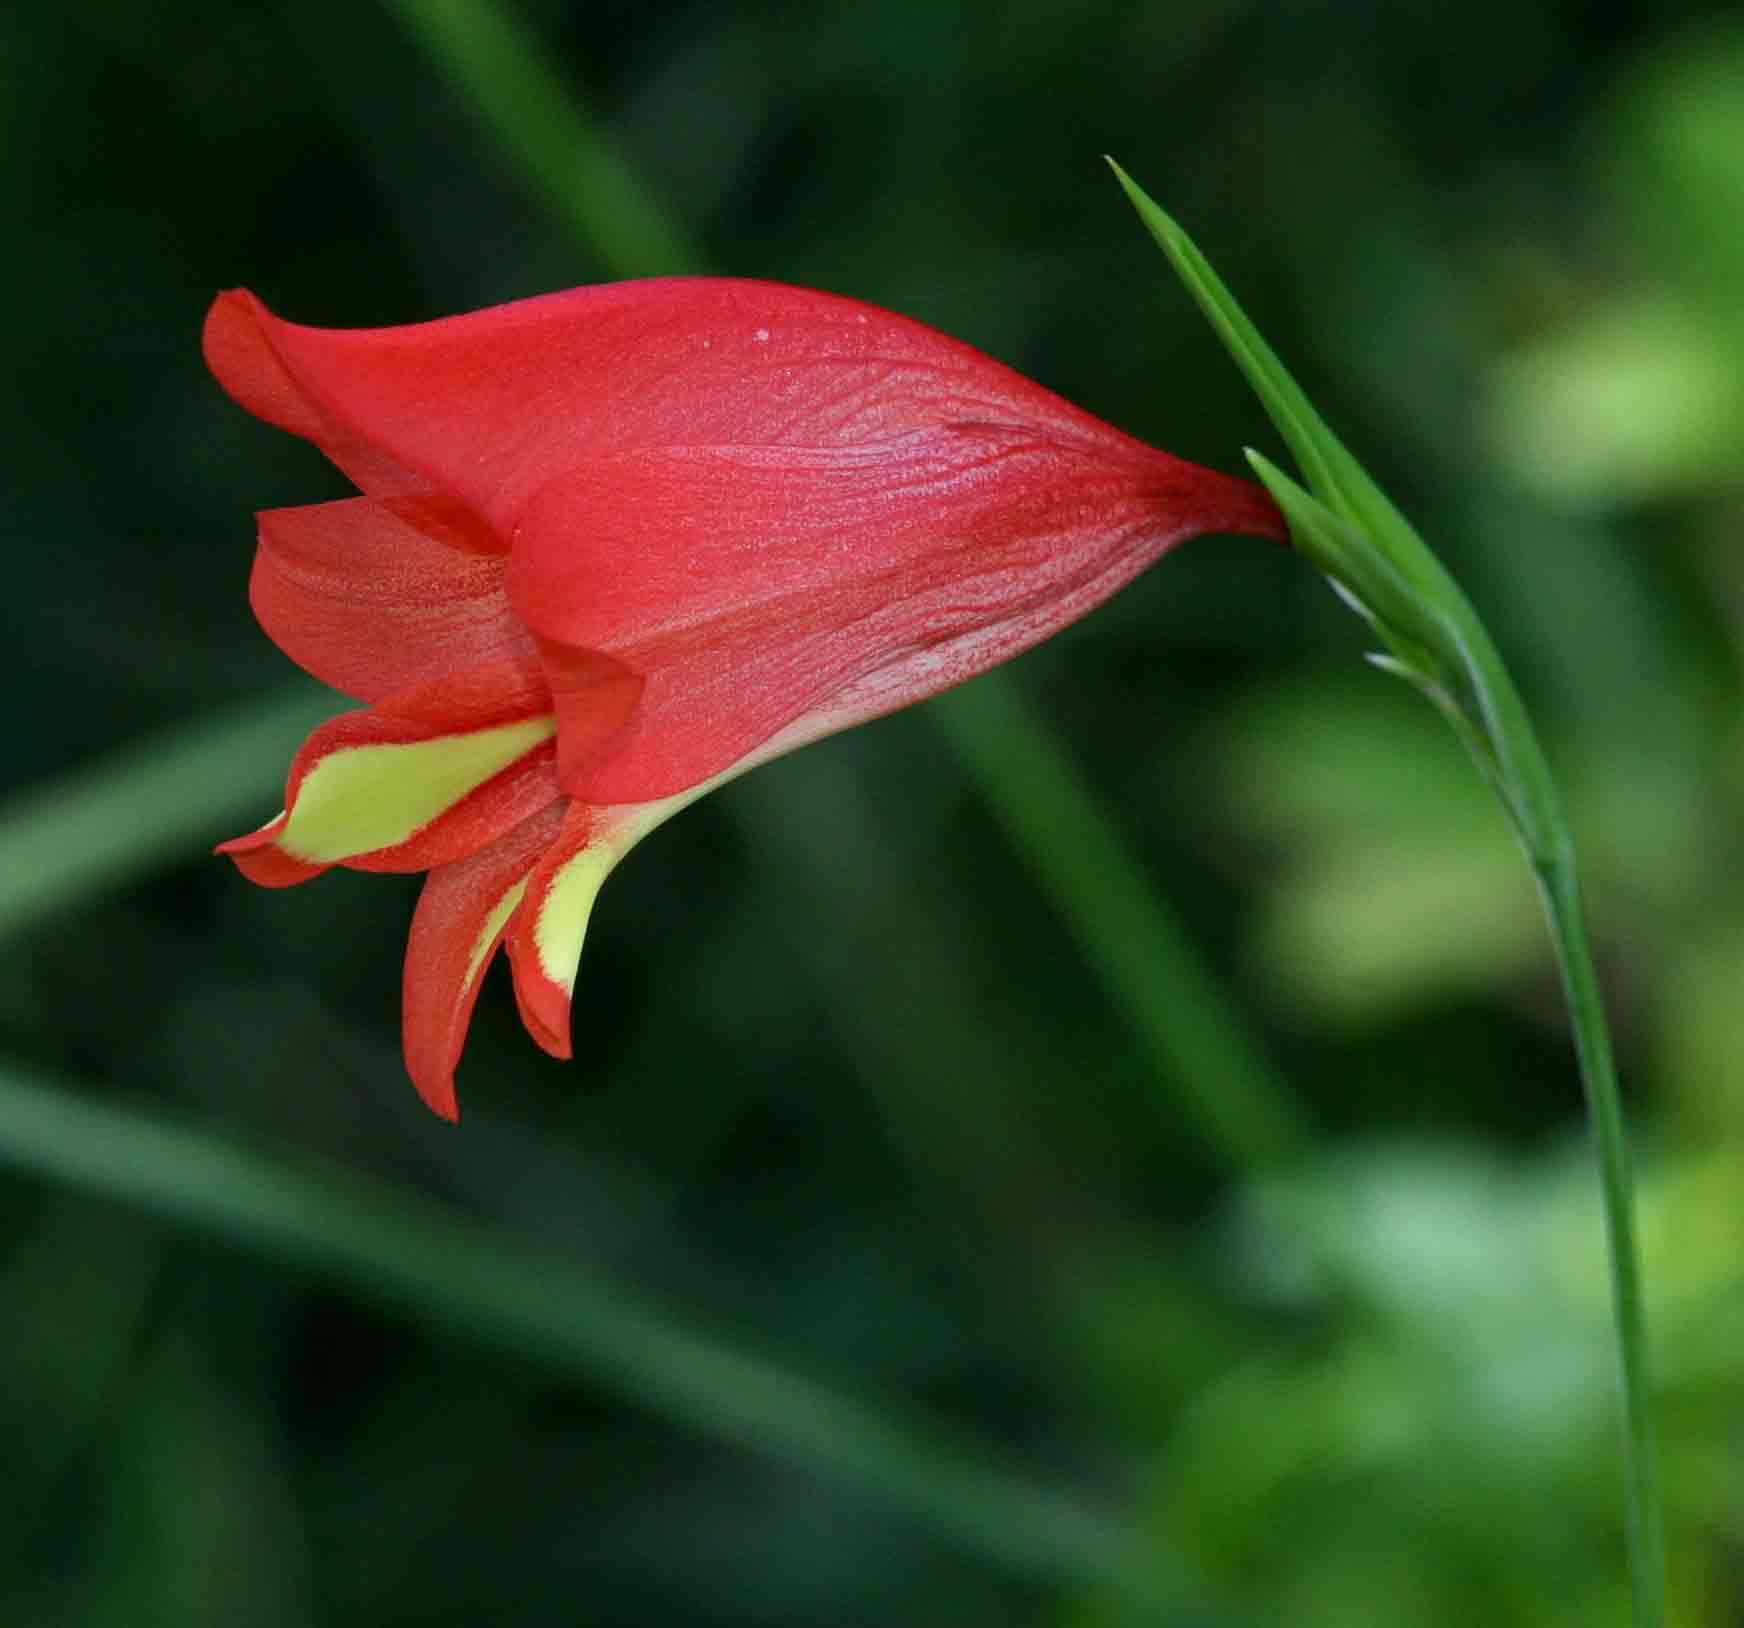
(372, 602)
(461, 703)
(494, 404)
(767, 580)
(452, 943)
(544, 1002)
(240, 352)
(264, 864)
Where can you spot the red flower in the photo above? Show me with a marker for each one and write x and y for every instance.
(621, 544)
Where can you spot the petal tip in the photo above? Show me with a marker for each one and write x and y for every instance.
(438, 1096)
(544, 1007)
(1252, 512)
(463, 912)
(239, 350)
(259, 857)
(231, 338)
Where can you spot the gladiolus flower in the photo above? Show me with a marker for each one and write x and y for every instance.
(619, 545)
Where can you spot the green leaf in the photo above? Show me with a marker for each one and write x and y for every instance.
(1333, 475)
(1369, 582)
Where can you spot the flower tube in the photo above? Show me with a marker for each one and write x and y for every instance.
(617, 546)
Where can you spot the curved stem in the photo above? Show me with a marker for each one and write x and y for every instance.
(1347, 526)
(1560, 890)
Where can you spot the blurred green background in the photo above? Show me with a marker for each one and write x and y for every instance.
(918, 1236)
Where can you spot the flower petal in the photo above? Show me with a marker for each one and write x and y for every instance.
(462, 913)
(546, 936)
(477, 817)
(753, 585)
(494, 404)
(425, 777)
(240, 352)
(594, 697)
(369, 602)
(264, 863)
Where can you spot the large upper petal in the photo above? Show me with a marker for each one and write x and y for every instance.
(377, 595)
(754, 498)
(493, 405)
(753, 586)
(239, 349)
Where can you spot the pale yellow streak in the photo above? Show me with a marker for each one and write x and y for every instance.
(361, 798)
(493, 924)
(562, 923)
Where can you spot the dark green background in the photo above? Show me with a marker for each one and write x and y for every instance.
(853, 1089)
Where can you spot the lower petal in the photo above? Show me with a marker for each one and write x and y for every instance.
(461, 917)
(263, 862)
(428, 776)
(501, 802)
(550, 926)
(374, 595)
(546, 936)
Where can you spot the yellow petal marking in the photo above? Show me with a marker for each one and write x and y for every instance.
(564, 920)
(562, 923)
(494, 923)
(361, 798)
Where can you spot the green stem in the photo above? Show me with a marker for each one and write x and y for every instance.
(1507, 747)
(1529, 792)
(1347, 526)
(1560, 890)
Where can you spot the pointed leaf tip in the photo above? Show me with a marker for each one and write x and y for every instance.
(1332, 474)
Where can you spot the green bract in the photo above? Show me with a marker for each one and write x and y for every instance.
(1353, 532)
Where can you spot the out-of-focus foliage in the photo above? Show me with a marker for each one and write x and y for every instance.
(851, 1094)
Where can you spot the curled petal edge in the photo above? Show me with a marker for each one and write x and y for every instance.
(422, 779)
(549, 928)
(463, 912)
(375, 595)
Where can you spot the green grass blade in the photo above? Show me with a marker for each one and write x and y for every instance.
(570, 162)
(1333, 475)
(154, 801)
(1145, 958)
(479, 1284)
